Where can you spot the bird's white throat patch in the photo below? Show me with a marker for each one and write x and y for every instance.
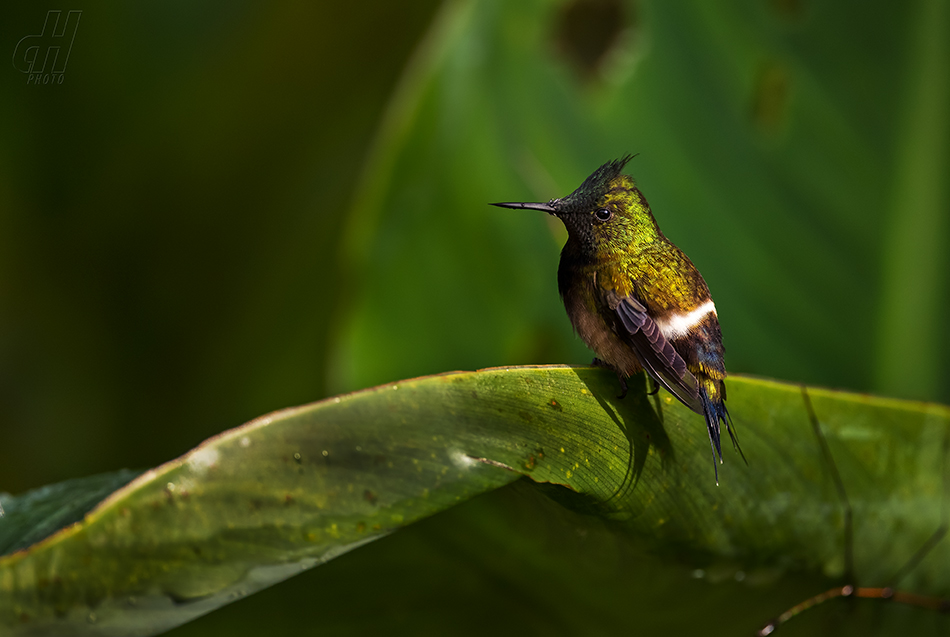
(675, 325)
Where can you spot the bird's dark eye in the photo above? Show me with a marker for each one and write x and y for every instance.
(603, 214)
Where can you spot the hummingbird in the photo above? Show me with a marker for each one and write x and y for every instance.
(635, 299)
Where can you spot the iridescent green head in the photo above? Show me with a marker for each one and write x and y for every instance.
(606, 216)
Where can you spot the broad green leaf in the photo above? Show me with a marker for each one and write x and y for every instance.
(296, 488)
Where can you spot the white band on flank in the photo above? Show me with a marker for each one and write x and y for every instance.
(677, 325)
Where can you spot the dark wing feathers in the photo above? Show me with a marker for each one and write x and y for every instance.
(655, 353)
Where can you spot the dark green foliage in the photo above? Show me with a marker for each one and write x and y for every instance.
(170, 218)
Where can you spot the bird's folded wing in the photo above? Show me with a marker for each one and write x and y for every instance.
(654, 352)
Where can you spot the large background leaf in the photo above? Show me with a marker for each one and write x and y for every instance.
(766, 151)
(169, 217)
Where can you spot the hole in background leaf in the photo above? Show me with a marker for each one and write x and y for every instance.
(588, 31)
(791, 10)
(770, 98)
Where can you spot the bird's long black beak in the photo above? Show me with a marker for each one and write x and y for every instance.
(543, 207)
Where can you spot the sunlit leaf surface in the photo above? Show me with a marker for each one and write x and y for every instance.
(296, 488)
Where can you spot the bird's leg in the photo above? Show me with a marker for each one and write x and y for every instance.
(623, 386)
(623, 381)
(656, 386)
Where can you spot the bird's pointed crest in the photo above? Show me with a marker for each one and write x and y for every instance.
(595, 186)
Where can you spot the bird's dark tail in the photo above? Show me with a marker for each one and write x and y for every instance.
(712, 394)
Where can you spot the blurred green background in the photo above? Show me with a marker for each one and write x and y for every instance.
(170, 218)
(230, 208)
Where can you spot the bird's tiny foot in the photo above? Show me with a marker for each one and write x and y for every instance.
(656, 388)
(623, 386)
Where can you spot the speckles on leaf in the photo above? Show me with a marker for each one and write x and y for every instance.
(530, 463)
